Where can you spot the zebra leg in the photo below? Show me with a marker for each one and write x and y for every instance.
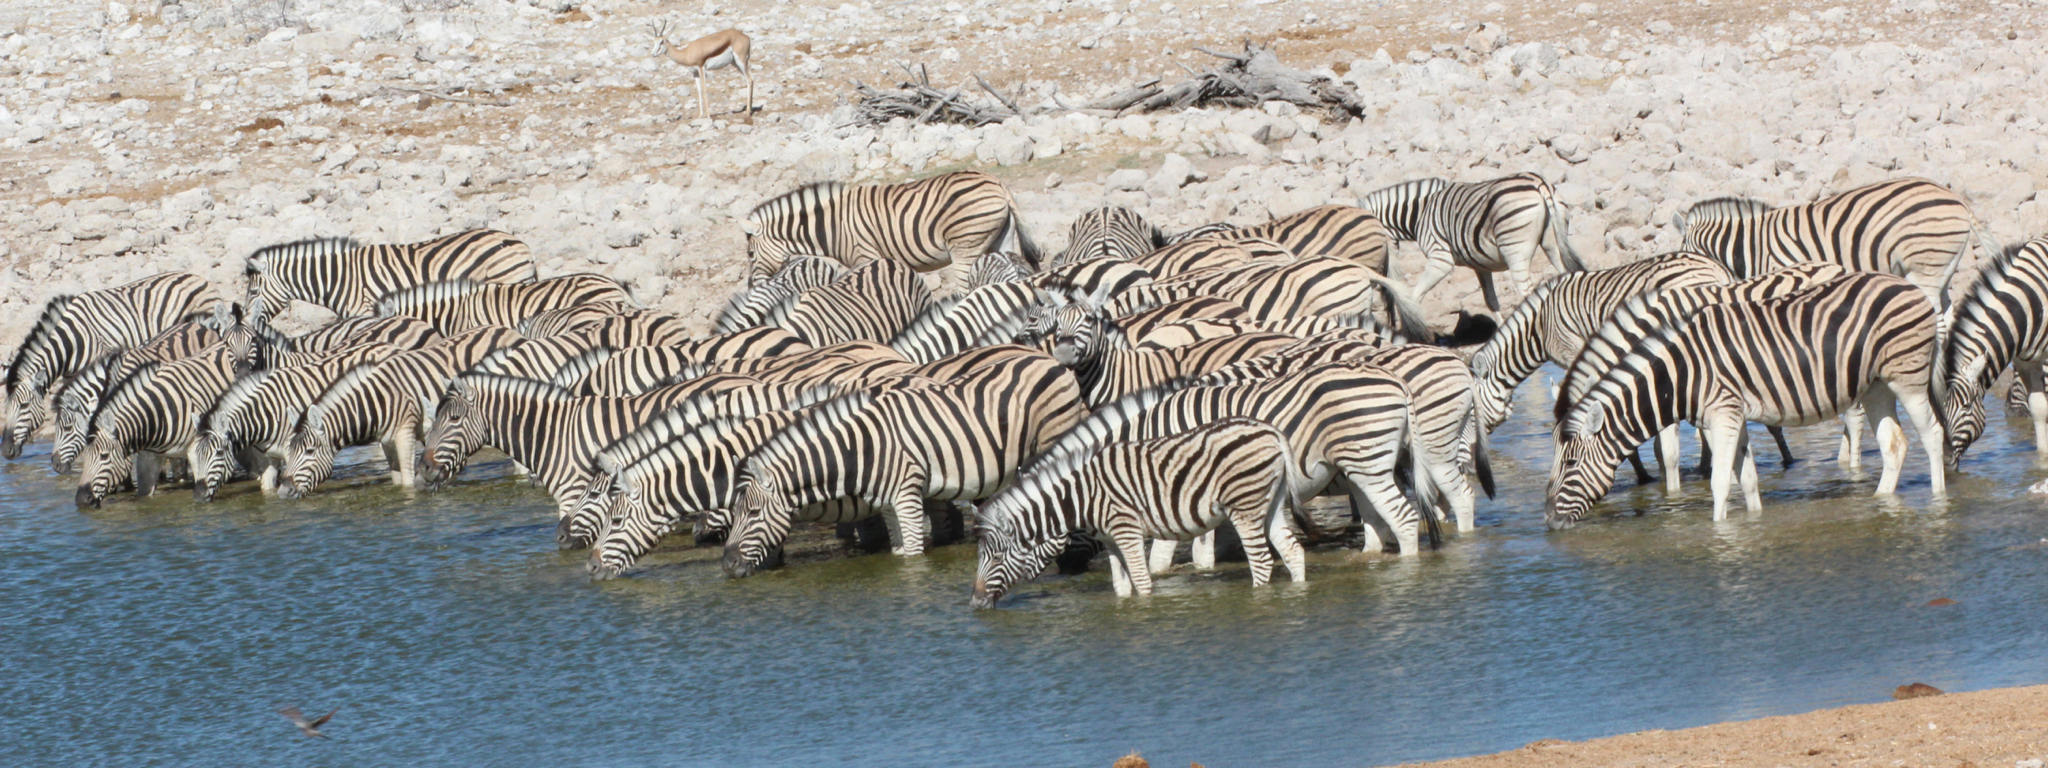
(146, 470)
(1394, 508)
(391, 461)
(1162, 555)
(1667, 456)
(911, 534)
(1752, 498)
(1280, 531)
(1882, 403)
(1489, 293)
(1851, 455)
(1251, 529)
(1434, 270)
(406, 470)
(1920, 408)
(1643, 476)
(1203, 551)
(1127, 564)
(1724, 430)
(266, 476)
(2029, 380)
(1784, 449)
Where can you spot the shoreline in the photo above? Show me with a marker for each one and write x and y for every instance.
(1991, 727)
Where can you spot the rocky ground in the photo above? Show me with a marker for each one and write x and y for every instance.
(139, 138)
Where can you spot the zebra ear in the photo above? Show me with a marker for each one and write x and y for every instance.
(1594, 419)
(1100, 295)
(1678, 221)
(750, 226)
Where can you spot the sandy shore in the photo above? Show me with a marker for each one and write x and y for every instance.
(1999, 727)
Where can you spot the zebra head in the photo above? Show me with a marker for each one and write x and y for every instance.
(712, 527)
(1073, 328)
(1491, 401)
(107, 461)
(212, 460)
(453, 436)
(308, 459)
(1583, 468)
(1962, 416)
(631, 529)
(1004, 557)
(588, 519)
(760, 520)
(24, 414)
(76, 401)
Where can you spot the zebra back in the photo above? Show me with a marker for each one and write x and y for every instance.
(1110, 232)
(1899, 226)
(1334, 231)
(767, 302)
(874, 302)
(1194, 256)
(955, 323)
(1100, 279)
(566, 320)
(916, 223)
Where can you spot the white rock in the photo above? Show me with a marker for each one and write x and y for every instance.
(1659, 27)
(1570, 147)
(1486, 39)
(335, 41)
(70, 178)
(1127, 180)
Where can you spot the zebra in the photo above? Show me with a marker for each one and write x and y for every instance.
(75, 330)
(956, 323)
(1449, 443)
(1108, 375)
(1347, 421)
(1177, 486)
(1788, 361)
(149, 415)
(960, 440)
(1644, 314)
(996, 268)
(455, 306)
(1313, 286)
(768, 301)
(1205, 255)
(811, 365)
(1101, 278)
(873, 302)
(640, 328)
(1999, 321)
(1486, 226)
(1206, 230)
(78, 395)
(1336, 231)
(348, 278)
(572, 319)
(632, 370)
(388, 403)
(542, 426)
(1181, 333)
(252, 421)
(1110, 232)
(1554, 320)
(1907, 226)
(951, 218)
(399, 332)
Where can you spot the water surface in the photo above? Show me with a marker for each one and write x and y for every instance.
(450, 631)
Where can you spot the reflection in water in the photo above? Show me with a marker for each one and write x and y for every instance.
(446, 626)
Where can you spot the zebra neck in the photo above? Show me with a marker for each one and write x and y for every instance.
(522, 427)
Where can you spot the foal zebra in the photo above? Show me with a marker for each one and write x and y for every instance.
(1110, 232)
(2001, 320)
(1486, 226)
(1910, 226)
(149, 415)
(1789, 361)
(75, 330)
(960, 440)
(1173, 487)
(926, 225)
(348, 278)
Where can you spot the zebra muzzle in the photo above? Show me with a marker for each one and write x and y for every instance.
(87, 498)
(10, 447)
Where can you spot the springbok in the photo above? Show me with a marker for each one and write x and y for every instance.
(718, 50)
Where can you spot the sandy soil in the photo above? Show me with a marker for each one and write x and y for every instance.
(1979, 729)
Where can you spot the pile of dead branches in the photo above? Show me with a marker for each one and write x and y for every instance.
(1245, 80)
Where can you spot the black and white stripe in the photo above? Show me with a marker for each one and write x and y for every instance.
(1487, 226)
(2002, 319)
(248, 427)
(349, 278)
(151, 414)
(952, 218)
(462, 305)
(1110, 232)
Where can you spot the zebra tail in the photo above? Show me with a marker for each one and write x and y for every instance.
(1482, 465)
(1406, 313)
(1016, 239)
(1568, 258)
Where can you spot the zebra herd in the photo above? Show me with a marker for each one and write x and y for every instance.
(1135, 386)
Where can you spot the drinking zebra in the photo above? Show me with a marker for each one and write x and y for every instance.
(349, 278)
(151, 414)
(926, 225)
(79, 395)
(1486, 226)
(2002, 319)
(1174, 487)
(960, 440)
(75, 330)
(1788, 361)
(249, 426)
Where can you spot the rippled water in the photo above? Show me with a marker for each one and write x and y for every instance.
(449, 630)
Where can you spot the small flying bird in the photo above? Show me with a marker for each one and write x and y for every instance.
(307, 727)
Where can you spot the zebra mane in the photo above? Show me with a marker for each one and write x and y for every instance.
(348, 382)
(1161, 239)
(1104, 424)
(39, 336)
(122, 393)
(578, 368)
(395, 302)
(1038, 479)
(99, 370)
(234, 399)
(1725, 209)
(771, 301)
(310, 248)
(821, 190)
(697, 421)
(1984, 292)
(805, 433)
(512, 386)
(1571, 417)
